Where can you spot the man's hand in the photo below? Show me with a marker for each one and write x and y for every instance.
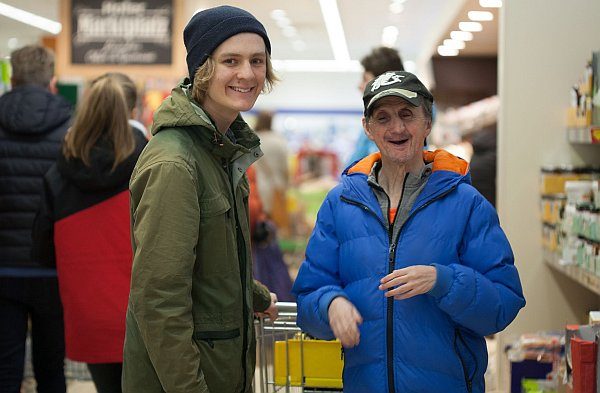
(272, 313)
(344, 319)
(408, 282)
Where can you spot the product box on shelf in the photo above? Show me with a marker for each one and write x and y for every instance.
(596, 88)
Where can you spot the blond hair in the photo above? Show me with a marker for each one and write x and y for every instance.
(103, 113)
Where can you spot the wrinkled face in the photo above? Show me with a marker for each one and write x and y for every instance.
(240, 72)
(366, 78)
(398, 129)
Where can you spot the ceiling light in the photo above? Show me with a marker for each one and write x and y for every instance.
(396, 8)
(277, 14)
(317, 66)
(444, 51)
(389, 36)
(283, 22)
(454, 44)
(30, 19)
(13, 43)
(481, 16)
(410, 66)
(299, 45)
(335, 30)
(490, 3)
(289, 31)
(470, 26)
(461, 35)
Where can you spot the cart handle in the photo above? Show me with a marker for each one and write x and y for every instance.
(286, 307)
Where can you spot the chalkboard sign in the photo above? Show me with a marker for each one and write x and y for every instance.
(121, 32)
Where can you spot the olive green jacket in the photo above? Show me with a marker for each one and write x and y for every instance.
(190, 314)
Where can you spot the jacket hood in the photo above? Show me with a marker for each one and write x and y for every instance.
(179, 110)
(447, 171)
(441, 159)
(99, 175)
(32, 110)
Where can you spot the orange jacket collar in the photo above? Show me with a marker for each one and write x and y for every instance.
(442, 161)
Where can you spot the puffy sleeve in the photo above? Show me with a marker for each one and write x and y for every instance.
(483, 292)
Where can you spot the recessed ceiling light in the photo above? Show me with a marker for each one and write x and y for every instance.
(389, 36)
(410, 66)
(396, 8)
(470, 26)
(480, 16)
(490, 3)
(454, 44)
(461, 35)
(13, 43)
(289, 31)
(276, 14)
(444, 51)
(299, 45)
(30, 19)
(283, 22)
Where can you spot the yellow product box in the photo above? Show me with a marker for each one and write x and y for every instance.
(320, 362)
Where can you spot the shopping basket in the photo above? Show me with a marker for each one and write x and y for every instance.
(290, 361)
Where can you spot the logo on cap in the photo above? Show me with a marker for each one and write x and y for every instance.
(389, 78)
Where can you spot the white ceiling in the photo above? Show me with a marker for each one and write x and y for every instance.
(422, 25)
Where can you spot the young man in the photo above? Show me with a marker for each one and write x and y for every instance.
(190, 316)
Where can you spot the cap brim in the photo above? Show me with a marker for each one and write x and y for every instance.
(410, 96)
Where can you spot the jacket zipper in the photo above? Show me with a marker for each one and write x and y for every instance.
(468, 378)
(392, 253)
(242, 247)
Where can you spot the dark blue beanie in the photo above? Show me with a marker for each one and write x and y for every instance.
(209, 28)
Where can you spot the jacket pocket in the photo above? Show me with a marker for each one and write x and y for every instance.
(467, 359)
(216, 242)
(211, 336)
(221, 359)
(214, 206)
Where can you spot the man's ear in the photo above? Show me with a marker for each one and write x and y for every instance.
(52, 85)
(365, 124)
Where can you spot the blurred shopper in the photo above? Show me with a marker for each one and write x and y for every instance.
(190, 316)
(272, 174)
(483, 162)
(407, 265)
(131, 97)
(268, 265)
(380, 60)
(33, 122)
(83, 229)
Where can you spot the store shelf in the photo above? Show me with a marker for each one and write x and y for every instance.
(584, 135)
(586, 279)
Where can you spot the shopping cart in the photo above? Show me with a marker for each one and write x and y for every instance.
(290, 361)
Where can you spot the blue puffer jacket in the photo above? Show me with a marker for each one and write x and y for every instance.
(428, 343)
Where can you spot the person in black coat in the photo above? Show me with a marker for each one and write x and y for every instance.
(33, 123)
(483, 162)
